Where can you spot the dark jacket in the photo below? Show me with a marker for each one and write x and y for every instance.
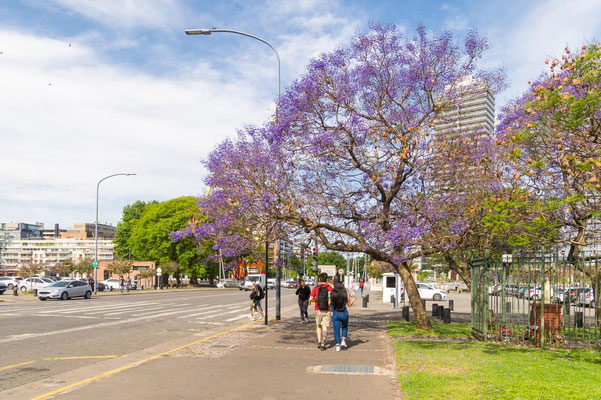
(303, 293)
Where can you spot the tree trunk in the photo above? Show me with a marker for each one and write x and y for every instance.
(461, 267)
(421, 316)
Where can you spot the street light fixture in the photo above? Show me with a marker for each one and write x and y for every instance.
(96, 230)
(207, 32)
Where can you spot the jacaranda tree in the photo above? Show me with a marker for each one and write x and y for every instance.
(354, 158)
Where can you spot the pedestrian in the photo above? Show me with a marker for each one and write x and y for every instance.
(339, 300)
(256, 295)
(361, 286)
(122, 284)
(128, 284)
(91, 283)
(320, 295)
(303, 292)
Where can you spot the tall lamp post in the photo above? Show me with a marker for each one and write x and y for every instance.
(207, 32)
(96, 230)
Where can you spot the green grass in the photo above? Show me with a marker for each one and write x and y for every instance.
(477, 370)
(396, 328)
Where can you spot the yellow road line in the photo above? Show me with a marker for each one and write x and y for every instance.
(135, 364)
(16, 365)
(79, 357)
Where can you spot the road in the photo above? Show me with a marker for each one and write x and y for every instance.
(40, 340)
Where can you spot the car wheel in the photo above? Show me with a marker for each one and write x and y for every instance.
(88, 294)
(10, 286)
(42, 298)
(64, 296)
(23, 289)
(437, 297)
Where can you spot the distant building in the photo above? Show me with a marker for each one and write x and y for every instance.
(49, 252)
(10, 231)
(52, 233)
(85, 230)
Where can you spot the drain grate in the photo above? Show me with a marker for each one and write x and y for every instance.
(348, 369)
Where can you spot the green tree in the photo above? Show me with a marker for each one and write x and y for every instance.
(121, 267)
(83, 266)
(332, 258)
(131, 215)
(30, 269)
(150, 237)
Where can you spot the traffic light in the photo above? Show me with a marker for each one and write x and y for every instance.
(315, 254)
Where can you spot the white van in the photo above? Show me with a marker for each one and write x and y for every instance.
(260, 278)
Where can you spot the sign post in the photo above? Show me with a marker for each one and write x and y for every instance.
(158, 278)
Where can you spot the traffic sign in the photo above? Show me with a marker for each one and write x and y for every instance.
(159, 271)
(95, 264)
(340, 271)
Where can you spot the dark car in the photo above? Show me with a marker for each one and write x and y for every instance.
(2, 287)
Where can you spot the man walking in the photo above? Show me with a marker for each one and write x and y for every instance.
(303, 292)
(321, 296)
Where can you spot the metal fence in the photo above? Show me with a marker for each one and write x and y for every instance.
(536, 298)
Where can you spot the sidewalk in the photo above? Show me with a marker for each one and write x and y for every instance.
(280, 361)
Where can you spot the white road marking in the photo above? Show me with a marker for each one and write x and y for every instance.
(15, 338)
(207, 322)
(91, 308)
(221, 313)
(245, 315)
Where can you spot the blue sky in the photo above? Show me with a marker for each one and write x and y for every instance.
(94, 87)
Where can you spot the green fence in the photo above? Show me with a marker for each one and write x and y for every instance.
(539, 298)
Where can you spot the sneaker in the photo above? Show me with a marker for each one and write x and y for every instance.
(343, 344)
(319, 345)
(251, 317)
(338, 347)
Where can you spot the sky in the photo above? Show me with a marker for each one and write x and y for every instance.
(91, 88)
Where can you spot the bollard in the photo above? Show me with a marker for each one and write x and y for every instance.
(508, 307)
(392, 300)
(405, 313)
(440, 312)
(446, 315)
(566, 308)
(365, 302)
(579, 319)
(366, 297)
(451, 304)
(434, 309)
(35, 293)
(15, 291)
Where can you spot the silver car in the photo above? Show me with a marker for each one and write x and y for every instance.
(65, 290)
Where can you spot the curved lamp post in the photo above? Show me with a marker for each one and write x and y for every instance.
(215, 30)
(96, 230)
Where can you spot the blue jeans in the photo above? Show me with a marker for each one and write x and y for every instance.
(340, 320)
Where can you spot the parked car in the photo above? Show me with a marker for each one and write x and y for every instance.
(112, 283)
(2, 287)
(101, 287)
(428, 292)
(271, 283)
(65, 290)
(587, 298)
(35, 283)
(10, 281)
(575, 295)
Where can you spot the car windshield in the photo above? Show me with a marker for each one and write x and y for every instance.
(47, 280)
(60, 284)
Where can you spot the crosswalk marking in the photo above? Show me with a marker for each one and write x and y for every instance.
(222, 313)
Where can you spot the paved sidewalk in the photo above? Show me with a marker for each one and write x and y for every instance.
(257, 362)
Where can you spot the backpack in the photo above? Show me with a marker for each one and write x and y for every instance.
(322, 298)
(260, 293)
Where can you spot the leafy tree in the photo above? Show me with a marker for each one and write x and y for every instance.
(121, 267)
(131, 215)
(63, 268)
(332, 258)
(352, 157)
(83, 266)
(147, 275)
(151, 239)
(31, 269)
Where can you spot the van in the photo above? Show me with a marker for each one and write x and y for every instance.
(260, 278)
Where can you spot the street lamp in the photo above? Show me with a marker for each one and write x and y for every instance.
(207, 32)
(96, 230)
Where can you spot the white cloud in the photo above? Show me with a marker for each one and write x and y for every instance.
(128, 13)
(68, 118)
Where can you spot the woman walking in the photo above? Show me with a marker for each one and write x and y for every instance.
(339, 300)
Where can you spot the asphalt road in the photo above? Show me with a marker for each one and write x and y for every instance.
(39, 340)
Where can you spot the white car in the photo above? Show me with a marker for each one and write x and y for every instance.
(10, 281)
(36, 283)
(112, 283)
(65, 290)
(429, 292)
